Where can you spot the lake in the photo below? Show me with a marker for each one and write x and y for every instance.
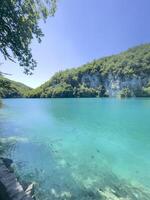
(80, 148)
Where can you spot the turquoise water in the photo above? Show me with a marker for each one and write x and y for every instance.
(81, 148)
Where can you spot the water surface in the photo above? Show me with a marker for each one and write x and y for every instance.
(81, 148)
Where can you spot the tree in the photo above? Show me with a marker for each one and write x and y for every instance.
(19, 24)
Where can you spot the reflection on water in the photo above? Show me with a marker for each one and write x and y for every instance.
(81, 148)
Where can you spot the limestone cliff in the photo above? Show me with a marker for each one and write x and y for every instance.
(114, 84)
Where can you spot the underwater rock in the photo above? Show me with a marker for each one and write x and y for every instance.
(66, 195)
(89, 182)
(7, 162)
(109, 194)
(54, 193)
(14, 139)
(61, 195)
(10, 188)
(30, 191)
(62, 163)
(126, 192)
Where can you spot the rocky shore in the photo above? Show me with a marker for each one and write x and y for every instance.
(10, 188)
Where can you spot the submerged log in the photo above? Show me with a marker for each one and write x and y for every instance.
(10, 188)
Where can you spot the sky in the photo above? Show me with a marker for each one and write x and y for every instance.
(83, 30)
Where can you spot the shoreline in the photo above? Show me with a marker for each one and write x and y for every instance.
(10, 187)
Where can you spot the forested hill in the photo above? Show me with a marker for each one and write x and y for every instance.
(126, 74)
(12, 89)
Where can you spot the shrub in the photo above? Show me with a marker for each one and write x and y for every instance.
(62, 91)
(126, 92)
(146, 92)
(102, 91)
(83, 91)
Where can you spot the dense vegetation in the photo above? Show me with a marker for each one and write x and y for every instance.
(132, 63)
(10, 89)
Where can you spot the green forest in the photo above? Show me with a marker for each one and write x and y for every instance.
(12, 89)
(133, 64)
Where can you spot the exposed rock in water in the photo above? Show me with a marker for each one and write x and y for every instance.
(10, 188)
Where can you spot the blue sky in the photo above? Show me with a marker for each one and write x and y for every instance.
(83, 30)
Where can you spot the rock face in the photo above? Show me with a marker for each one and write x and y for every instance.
(91, 80)
(10, 188)
(114, 84)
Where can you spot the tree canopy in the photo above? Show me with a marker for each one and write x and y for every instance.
(12, 89)
(19, 24)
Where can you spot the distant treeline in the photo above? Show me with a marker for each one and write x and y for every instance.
(12, 89)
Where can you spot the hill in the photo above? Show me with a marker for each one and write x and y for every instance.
(126, 74)
(12, 89)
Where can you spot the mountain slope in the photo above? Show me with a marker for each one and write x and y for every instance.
(12, 89)
(126, 74)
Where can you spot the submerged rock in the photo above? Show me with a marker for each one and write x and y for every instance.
(10, 188)
(66, 195)
(110, 194)
(61, 195)
(30, 191)
(7, 162)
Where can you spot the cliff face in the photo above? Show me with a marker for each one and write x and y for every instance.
(114, 84)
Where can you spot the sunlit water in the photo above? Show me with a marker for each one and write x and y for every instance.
(81, 148)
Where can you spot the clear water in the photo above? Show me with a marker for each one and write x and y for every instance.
(81, 148)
